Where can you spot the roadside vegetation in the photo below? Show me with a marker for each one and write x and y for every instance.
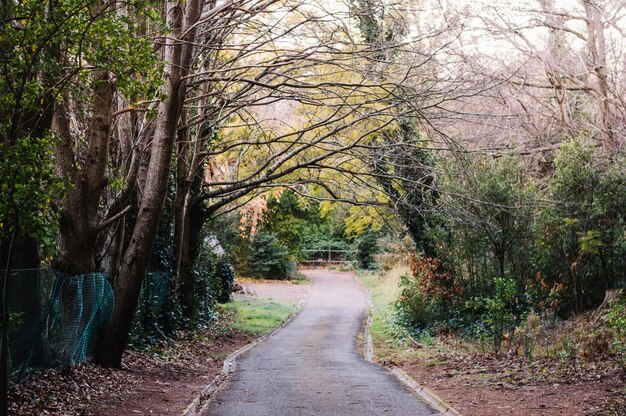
(545, 367)
(532, 253)
(515, 275)
(391, 344)
(258, 316)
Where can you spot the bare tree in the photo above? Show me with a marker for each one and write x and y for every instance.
(564, 75)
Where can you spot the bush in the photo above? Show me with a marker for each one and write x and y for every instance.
(500, 312)
(527, 334)
(234, 242)
(414, 309)
(222, 282)
(214, 276)
(434, 282)
(580, 239)
(269, 259)
(395, 251)
(367, 247)
(616, 320)
(430, 298)
(203, 272)
(286, 218)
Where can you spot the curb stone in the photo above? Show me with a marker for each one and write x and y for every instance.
(199, 404)
(369, 349)
(422, 392)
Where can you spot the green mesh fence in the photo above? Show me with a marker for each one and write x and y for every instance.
(152, 302)
(27, 303)
(55, 318)
(80, 306)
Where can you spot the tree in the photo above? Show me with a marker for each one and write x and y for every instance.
(182, 18)
(198, 107)
(30, 79)
(232, 149)
(71, 48)
(564, 76)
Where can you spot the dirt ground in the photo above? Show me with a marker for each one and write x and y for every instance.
(161, 382)
(484, 386)
(167, 388)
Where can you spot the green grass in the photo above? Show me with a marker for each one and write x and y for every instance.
(390, 341)
(259, 316)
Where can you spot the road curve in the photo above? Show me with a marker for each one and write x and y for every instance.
(312, 367)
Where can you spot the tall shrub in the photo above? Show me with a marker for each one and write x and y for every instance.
(269, 259)
(581, 240)
(482, 229)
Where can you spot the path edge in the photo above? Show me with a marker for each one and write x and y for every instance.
(422, 392)
(197, 406)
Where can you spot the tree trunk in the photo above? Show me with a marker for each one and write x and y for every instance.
(195, 217)
(80, 209)
(183, 268)
(127, 285)
(596, 43)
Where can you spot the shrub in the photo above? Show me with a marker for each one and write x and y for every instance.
(616, 320)
(269, 259)
(286, 219)
(499, 312)
(430, 298)
(543, 298)
(580, 239)
(433, 282)
(414, 309)
(596, 344)
(203, 272)
(485, 233)
(367, 247)
(222, 282)
(395, 251)
(526, 335)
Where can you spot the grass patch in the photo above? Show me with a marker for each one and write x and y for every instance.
(390, 341)
(258, 316)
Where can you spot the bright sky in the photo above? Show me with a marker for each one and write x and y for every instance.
(481, 17)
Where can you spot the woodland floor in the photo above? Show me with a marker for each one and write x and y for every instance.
(480, 385)
(160, 382)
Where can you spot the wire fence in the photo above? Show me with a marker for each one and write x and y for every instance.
(152, 305)
(55, 318)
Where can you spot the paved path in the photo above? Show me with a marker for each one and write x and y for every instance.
(312, 367)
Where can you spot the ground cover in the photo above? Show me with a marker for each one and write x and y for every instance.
(476, 382)
(157, 380)
(257, 315)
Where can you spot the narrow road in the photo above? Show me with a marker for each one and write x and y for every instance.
(312, 367)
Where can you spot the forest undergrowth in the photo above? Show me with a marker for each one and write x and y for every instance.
(559, 366)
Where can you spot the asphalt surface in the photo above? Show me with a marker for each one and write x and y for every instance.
(312, 367)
